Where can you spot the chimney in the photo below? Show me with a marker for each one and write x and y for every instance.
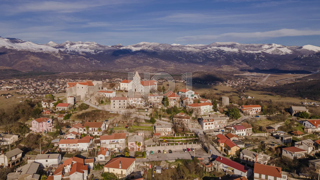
(120, 165)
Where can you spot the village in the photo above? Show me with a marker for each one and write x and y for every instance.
(140, 129)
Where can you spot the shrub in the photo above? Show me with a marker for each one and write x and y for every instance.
(83, 106)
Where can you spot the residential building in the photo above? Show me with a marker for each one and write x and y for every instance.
(63, 107)
(307, 145)
(78, 172)
(311, 125)
(114, 142)
(135, 143)
(120, 166)
(46, 104)
(186, 101)
(227, 146)
(293, 152)
(102, 154)
(163, 129)
(173, 98)
(154, 99)
(251, 109)
(95, 128)
(108, 94)
(75, 144)
(82, 90)
(10, 158)
(29, 171)
(262, 171)
(72, 135)
(118, 103)
(213, 122)
(136, 101)
(250, 157)
(136, 85)
(297, 109)
(41, 125)
(187, 93)
(239, 130)
(248, 130)
(232, 137)
(6, 139)
(48, 160)
(200, 108)
(285, 139)
(182, 119)
(78, 128)
(231, 167)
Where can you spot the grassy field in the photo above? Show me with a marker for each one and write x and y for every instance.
(268, 96)
(264, 122)
(7, 103)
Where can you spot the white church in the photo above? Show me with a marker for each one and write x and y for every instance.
(136, 85)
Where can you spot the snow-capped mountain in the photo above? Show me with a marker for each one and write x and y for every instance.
(80, 56)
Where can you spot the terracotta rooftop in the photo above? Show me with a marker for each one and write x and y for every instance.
(171, 94)
(68, 141)
(125, 163)
(184, 90)
(62, 105)
(246, 125)
(118, 98)
(102, 151)
(105, 91)
(78, 167)
(39, 120)
(199, 104)
(232, 164)
(93, 124)
(293, 149)
(230, 135)
(267, 170)
(297, 133)
(315, 122)
(125, 81)
(148, 83)
(250, 106)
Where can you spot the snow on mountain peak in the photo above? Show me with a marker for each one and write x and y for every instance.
(52, 44)
(311, 48)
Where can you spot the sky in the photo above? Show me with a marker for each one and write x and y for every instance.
(110, 22)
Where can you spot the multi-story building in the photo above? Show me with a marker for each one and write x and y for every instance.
(154, 99)
(75, 144)
(48, 160)
(231, 167)
(108, 94)
(11, 158)
(136, 101)
(118, 103)
(41, 125)
(250, 157)
(182, 119)
(227, 146)
(293, 152)
(213, 122)
(138, 86)
(114, 142)
(297, 109)
(95, 128)
(6, 139)
(200, 108)
(163, 129)
(262, 171)
(120, 166)
(83, 90)
(239, 130)
(63, 107)
(251, 109)
(173, 98)
(306, 144)
(187, 93)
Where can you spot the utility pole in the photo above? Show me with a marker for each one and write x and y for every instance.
(40, 145)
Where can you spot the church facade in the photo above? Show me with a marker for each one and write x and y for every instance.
(138, 86)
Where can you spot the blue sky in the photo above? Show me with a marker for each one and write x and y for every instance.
(109, 22)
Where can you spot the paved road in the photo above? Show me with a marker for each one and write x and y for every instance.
(200, 133)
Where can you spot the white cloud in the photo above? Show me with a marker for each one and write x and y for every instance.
(251, 35)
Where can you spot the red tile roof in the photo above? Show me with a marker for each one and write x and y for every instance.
(315, 122)
(297, 133)
(105, 91)
(232, 164)
(102, 151)
(125, 81)
(78, 167)
(267, 170)
(125, 163)
(118, 98)
(241, 178)
(78, 160)
(78, 125)
(39, 120)
(293, 149)
(62, 105)
(317, 141)
(230, 135)
(93, 124)
(238, 127)
(59, 170)
(246, 125)
(250, 106)
(200, 104)
(86, 83)
(68, 141)
(91, 160)
(148, 83)
(184, 90)
(50, 177)
(114, 136)
(67, 162)
(225, 140)
(171, 94)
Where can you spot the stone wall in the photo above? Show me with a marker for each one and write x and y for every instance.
(173, 147)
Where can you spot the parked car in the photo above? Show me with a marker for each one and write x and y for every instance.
(164, 152)
(159, 151)
(151, 152)
(170, 151)
(184, 150)
(192, 149)
(189, 149)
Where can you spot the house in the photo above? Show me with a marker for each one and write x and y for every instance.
(120, 166)
(270, 129)
(136, 85)
(307, 145)
(241, 178)
(118, 103)
(250, 109)
(200, 108)
(154, 99)
(72, 135)
(28, 171)
(75, 144)
(186, 101)
(114, 142)
(76, 168)
(232, 137)
(182, 119)
(108, 94)
(78, 171)
(205, 100)
(231, 167)
(250, 157)
(297, 109)
(48, 160)
(297, 133)
(213, 122)
(41, 125)
(135, 143)
(57, 174)
(6, 139)
(173, 98)
(102, 154)
(239, 130)
(248, 127)
(136, 101)
(10, 158)
(78, 128)
(95, 128)
(55, 142)
(312, 125)
(82, 90)
(262, 171)
(63, 107)
(46, 104)
(158, 169)
(293, 152)
(187, 93)
(285, 139)
(227, 146)
(163, 129)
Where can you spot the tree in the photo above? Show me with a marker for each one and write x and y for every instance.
(314, 117)
(304, 115)
(166, 101)
(43, 177)
(83, 106)
(109, 176)
(234, 113)
(67, 116)
(49, 96)
(163, 89)
(153, 120)
(215, 105)
(87, 128)
(36, 112)
(126, 116)
(56, 103)
(112, 85)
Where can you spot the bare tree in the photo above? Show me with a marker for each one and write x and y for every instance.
(126, 116)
